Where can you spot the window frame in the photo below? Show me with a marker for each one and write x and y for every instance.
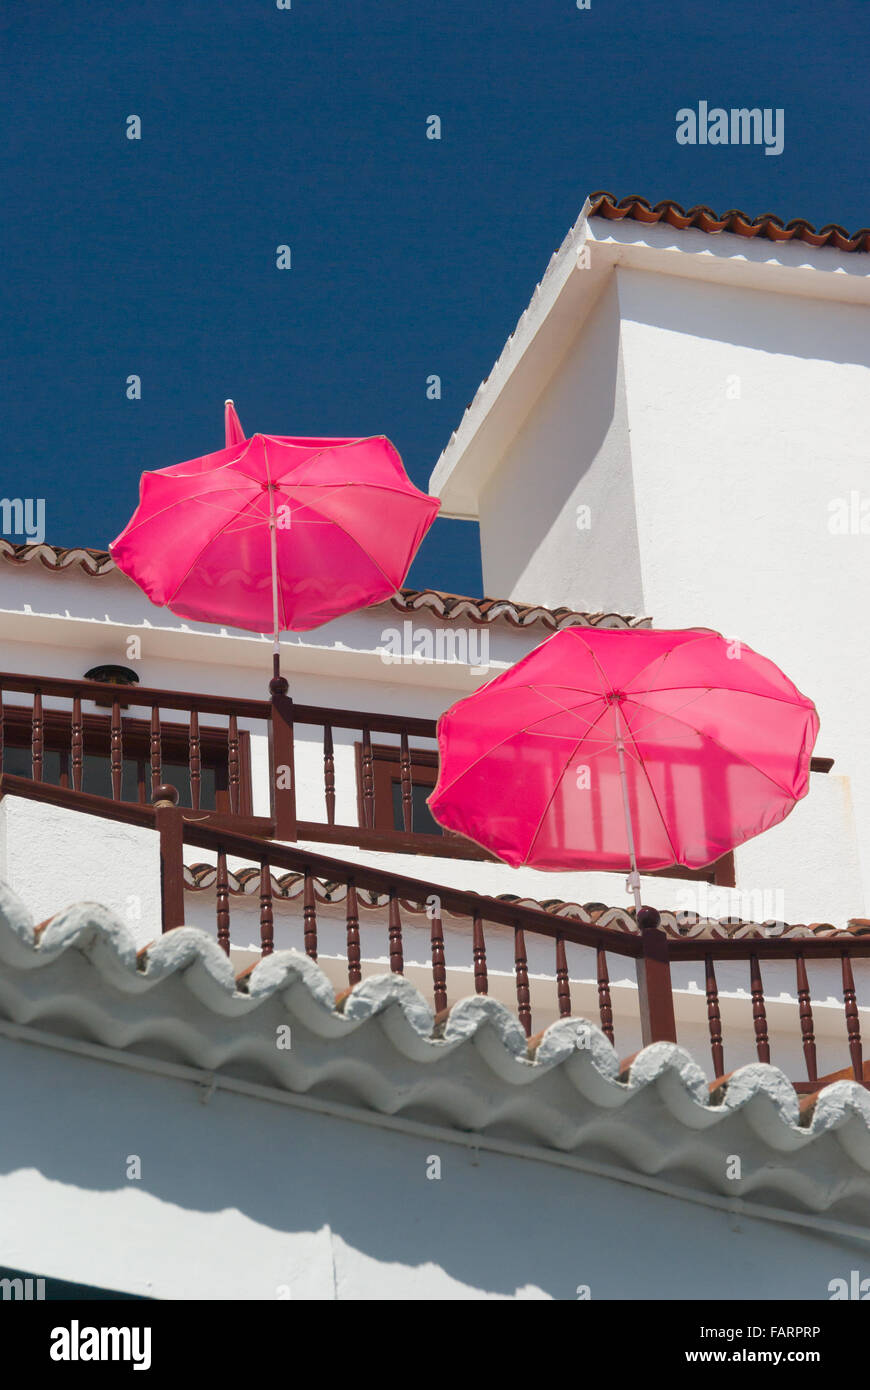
(386, 757)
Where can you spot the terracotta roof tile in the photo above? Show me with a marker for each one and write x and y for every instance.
(450, 607)
(767, 225)
(289, 886)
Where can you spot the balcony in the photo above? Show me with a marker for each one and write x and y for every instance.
(272, 768)
(227, 778)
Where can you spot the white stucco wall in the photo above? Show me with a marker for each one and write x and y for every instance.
(710, 426)
(572, 451)
(242, 1199)
(53, 858)
(732, 496)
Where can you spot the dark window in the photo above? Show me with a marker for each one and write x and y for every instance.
(422, 820)
(389, 810)
(136, 760)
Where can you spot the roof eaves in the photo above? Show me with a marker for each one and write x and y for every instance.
(381, 1042)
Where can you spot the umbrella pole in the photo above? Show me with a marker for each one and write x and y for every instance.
(633, 880)
(273, 536)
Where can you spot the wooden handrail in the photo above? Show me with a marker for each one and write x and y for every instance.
(144, 695)
(650, 947)
(214, 833)
(318, 715)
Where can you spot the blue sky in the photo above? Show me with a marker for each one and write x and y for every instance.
(410, 256)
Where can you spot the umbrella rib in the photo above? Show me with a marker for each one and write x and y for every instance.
(349, 482)
(733, 689)
(177, 503)
(661, 817)
(663, 656)
(734, 754)
(332, 522)
(500, 744)
(331, 448)
(230, 463)
(664, 714)
(566, 709)
(604, 676)
(202, 551)
(556, 787)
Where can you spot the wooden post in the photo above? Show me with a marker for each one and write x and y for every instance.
(853, 1022)
(439, 968)
(563, 989)
(481, 983)
(657, 1022)
(281, 764)
(605, 1004)
(222, 903)
(170, 825)
(521, 970)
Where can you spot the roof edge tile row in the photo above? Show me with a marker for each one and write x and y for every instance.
(680, 925)
(449, 607)
(767, 224)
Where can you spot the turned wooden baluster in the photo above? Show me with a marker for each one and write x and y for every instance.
(759, 1016)
(368, 780)
(156, 751)
(329, 774)
(117, 753)
(806, 1015)
(853, 1023)
(407, 795)
(439, 966)
(309, 916)
(267, 939)
(397, 963)
(714, 1018)
(478, 944)
(521, 970)
(563, 989)
(354, 974)
(605, 1007)
(36, 739)
(223, 903)
(194, 759)
(76, 743)
(233, 759)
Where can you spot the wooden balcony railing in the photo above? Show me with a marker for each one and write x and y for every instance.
(652, 949)
(60, 721)
(85, 737)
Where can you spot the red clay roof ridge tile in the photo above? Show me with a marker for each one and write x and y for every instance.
(449, 607)
(766, 224)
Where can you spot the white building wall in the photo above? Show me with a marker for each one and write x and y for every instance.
(53, 858)
(711, 428)
(573, 451)
(241, 1198)
(733, 503)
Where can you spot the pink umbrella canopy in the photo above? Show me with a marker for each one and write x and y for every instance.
(275, 533)
(607, 748)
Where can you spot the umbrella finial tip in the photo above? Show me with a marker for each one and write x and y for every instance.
(230, 402)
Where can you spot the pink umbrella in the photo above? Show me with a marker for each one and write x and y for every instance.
(603, 748)
(274, 533)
